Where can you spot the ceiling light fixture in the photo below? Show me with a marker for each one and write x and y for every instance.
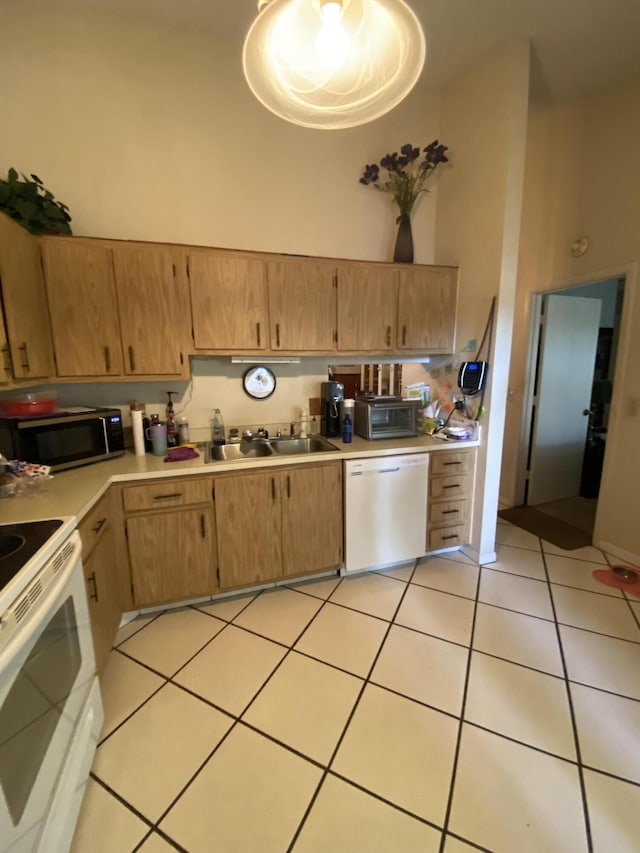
(330, 64)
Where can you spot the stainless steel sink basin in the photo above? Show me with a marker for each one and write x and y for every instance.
(235, 452)
(274, 447)
(293, 446)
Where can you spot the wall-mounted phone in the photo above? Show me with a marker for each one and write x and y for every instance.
(471, 377)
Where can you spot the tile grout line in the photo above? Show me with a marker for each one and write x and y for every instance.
(574, 725)
(356, 704)
(456, 754)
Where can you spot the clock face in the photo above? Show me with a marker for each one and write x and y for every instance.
(259, 382)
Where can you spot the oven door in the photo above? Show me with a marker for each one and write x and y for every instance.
(392, 420)
(46, 672)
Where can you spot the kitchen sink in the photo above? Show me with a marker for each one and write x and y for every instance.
(263, 448)
(293, 446)
(235, 452)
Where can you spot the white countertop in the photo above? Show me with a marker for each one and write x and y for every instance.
(72, 493)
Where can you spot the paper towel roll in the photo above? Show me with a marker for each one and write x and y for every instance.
(138, 433)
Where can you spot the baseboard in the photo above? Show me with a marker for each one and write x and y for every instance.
(614, 550)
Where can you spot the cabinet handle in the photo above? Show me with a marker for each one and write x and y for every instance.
(459, 462)
(388, 336)
(132, 359)
(203, 529)
(99, 525)
(404, 335)
(258, 333)
(92, 580)
(277, 334)
(273, 488)
(288, 486)
(451, 536)
(25, 356)
(452, 486)
(107, 359)
(6, 352)
(449, 511)
(170, 497)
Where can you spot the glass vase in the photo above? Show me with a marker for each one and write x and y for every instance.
(403, 251)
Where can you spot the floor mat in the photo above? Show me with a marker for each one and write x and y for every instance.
(546, 527)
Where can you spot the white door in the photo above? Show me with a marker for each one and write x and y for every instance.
(567, 351)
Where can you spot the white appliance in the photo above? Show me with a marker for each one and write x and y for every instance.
(50, 708)
(386, 510)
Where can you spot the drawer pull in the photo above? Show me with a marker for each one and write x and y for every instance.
(170, 497)
(99, 525)
(459, 462)
(449, 511)
(453, 486)
(451, 536)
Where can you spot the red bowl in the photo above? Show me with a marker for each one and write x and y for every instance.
(26, 408)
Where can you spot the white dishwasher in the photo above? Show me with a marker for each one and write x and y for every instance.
(385, 510)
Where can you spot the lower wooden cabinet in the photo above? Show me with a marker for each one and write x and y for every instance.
(171, 537)
(278, 523)
(99, 560)
(450, 499)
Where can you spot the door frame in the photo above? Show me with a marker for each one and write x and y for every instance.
(628, 272)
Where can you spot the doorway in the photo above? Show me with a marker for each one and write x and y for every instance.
(573, 349)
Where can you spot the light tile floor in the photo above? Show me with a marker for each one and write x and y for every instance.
(438, 707)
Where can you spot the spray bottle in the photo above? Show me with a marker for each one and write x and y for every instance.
(172, 433)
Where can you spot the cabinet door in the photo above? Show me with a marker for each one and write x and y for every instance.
(172, 554)
(427, 309)
(83, 307)
(302, 306)
(228, 301)
(152, 310)
(102, 596)
(25, 305)
(367, 306)
(312, 518)
(248, 519)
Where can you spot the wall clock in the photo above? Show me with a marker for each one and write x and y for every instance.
(259, 382)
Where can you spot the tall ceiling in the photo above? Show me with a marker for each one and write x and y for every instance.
(578, 46)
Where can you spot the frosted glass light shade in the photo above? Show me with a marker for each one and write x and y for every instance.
(285, 71)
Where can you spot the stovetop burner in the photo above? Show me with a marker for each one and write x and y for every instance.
(19, 542)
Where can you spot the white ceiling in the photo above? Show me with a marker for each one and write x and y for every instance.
(578, 46)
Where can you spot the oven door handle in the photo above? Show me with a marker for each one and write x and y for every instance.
(40, 599)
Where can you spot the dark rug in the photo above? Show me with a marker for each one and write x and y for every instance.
(551, 529)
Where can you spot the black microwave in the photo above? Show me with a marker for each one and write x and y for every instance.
(65, 438)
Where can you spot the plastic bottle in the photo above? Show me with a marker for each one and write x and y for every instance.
(183, 431)
(217, 433)
(347, 429)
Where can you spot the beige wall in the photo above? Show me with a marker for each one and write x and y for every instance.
(149, 132)
(582, 178)
(484, 118)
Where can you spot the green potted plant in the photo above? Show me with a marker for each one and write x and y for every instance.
(28, 202)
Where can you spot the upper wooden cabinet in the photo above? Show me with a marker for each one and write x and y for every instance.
(367, 308)
(116, 309)
(427, 309)
(153, 309)
(83, 307)
(302, 305)
(25, 336)
(228, 301)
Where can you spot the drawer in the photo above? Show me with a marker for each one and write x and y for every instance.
(447, 537)
(450, 487)
(449, 512)
(458, 462)
(94, 524)
(167, 493)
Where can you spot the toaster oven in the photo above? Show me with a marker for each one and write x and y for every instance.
(385, 417)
